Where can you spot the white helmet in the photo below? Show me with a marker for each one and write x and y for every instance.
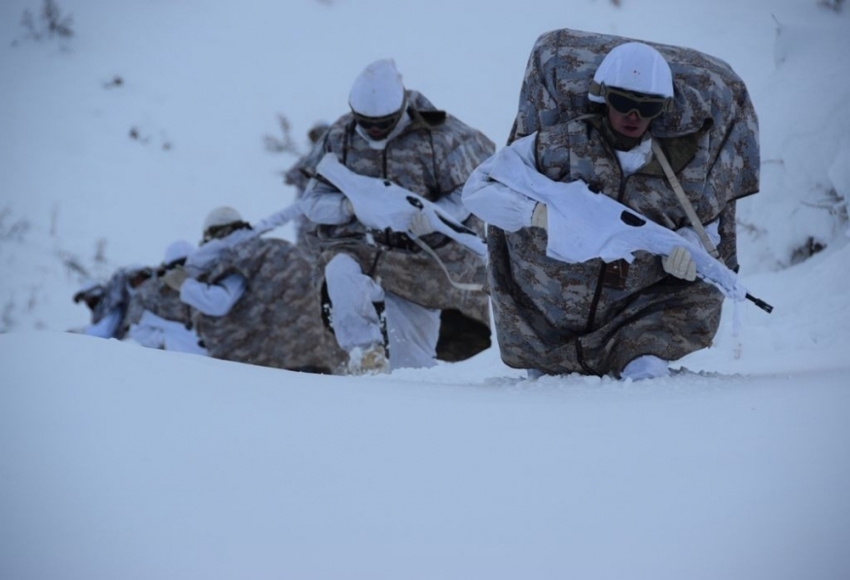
(178, 250)
(633, 66)
(378, 90)
(221, 216)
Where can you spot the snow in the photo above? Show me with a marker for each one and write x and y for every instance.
(123, 462)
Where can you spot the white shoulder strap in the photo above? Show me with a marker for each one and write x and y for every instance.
(683, 200)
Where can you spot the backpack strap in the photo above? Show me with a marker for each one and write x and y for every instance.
(683, 200)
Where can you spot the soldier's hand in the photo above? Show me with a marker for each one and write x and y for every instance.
(420, 225)
(347, 208)
(540, 216)
(680, 264)
(91, 296)
(175, 277)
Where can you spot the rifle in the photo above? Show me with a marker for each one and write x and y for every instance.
(380, 204)
(597, 226)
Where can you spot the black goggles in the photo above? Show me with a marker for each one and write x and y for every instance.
(624, 102)
(217, 232)
(383, 124)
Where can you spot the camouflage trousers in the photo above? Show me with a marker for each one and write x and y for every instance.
(669, 319)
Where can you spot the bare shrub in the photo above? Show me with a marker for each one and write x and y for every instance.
(12, 230)
(833, 203)
(74, 266)
(33, 300)
(283, 144)
(100, 252)
(7, 317)
(834, 5)
(836, 206)
(80, 269)
(114, 83)
(751, 229)
(809, 248)
(51, 23)
(136, 135)
(54, 219)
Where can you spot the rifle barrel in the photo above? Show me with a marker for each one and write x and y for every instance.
(760, 303)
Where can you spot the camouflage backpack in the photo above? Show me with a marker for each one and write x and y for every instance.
(561, 68)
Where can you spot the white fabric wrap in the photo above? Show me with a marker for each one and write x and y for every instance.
(381, 204)
(584, 225)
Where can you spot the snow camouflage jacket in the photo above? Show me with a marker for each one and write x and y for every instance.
(158, 298)
(594, 318)
(432, 157)
(277, 322)
(117, 296)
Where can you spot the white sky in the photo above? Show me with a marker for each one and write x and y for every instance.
(117, 462)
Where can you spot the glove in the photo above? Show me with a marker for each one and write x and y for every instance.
(347, 208)
(680, 264)
(540, 216)
(420, 225)
(175, 277)
(79, 296)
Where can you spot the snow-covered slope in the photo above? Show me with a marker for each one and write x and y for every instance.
(131, 463)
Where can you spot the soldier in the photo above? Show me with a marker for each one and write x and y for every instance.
(156, 317)
(256, 299)
(615, 127)
(407, 276)
(108, 302)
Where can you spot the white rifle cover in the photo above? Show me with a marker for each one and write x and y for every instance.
(585, 225)
(380, 204)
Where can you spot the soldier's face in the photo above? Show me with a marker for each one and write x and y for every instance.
(631, 124)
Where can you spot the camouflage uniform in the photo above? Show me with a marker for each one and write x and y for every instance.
(117, 296)
(157, 297)
(594, 318)
(277, 321)
(432, 157)
(296, 177)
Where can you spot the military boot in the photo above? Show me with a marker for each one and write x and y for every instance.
(369, 360)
